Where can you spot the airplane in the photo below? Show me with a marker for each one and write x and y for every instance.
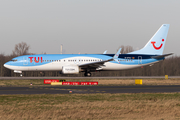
(151, 53)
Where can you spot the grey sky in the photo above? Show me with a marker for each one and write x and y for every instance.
(86, 26)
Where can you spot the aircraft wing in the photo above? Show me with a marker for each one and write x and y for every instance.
(94, 65)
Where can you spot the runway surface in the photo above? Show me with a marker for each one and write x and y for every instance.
(110, 77)
(88, 89)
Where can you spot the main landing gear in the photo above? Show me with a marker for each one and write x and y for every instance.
(21, 74)
(87, 74)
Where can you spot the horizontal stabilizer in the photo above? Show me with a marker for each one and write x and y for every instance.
(161, 56)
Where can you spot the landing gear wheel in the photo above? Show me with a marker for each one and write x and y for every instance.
(87, 74)
(21, 75)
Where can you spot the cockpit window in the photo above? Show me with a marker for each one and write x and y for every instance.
(14, 60)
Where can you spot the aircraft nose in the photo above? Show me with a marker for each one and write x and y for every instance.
(7, 65)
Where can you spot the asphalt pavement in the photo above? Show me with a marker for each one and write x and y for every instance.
(109, 77)
(88, 89)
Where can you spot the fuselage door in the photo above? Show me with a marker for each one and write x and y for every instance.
(139, 59)
(25, 60)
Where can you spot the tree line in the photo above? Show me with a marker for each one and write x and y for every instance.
(169, 66)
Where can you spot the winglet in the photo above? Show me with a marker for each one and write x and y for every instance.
(105, 52)
(117, 54)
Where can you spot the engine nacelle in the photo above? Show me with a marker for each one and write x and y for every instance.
(17, 71)
(70, 69)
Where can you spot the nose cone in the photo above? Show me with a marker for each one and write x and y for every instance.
(7, 65)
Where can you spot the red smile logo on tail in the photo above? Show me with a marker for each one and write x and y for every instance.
(157, 48)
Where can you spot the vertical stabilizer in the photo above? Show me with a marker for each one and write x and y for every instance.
(155, 45)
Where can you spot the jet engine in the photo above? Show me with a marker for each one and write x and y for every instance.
(70, 69)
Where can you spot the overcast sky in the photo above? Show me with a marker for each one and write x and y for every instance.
(86, 26)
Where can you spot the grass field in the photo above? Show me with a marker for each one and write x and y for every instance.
(91, 106)
(159, 106)
(171, 81)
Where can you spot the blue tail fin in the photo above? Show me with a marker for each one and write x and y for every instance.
(155, 45)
